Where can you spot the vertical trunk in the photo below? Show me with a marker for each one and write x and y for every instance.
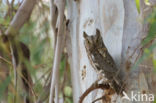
(122, 34)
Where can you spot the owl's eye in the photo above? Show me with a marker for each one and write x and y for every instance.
(88, 41)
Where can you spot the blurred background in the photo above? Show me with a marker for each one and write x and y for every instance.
(37, 35)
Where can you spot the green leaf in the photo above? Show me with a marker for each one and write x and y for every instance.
(137, 5)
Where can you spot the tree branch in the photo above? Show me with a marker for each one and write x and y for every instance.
(22, 15)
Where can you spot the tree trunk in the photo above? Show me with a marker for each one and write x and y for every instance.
(122, 33)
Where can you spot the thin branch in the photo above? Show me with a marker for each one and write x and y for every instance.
(12, 3)
(15, 72)
(57, 58)
(98, 99)
(5, 60)
(44, 95)
(59, 43)
(7, 2)
(22, 15)
(54, 16)
(94, 86)
(29, 84)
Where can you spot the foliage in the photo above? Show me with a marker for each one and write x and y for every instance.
(37, 35)
(149, 43)
(148, 51)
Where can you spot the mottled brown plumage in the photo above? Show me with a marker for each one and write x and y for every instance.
(101, 60)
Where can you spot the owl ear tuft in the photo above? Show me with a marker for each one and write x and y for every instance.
(98, 35)
(85, 34)
(97, 31)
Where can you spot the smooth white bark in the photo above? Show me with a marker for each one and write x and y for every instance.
(72, 46)
(122, 31)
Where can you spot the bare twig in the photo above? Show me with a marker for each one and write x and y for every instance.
(44, 95)
(5, 60)
(94, 86)
(98, 99)
(15, 72)
(29, 83)
(59, 41)
(55, 69)
(54, 16)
